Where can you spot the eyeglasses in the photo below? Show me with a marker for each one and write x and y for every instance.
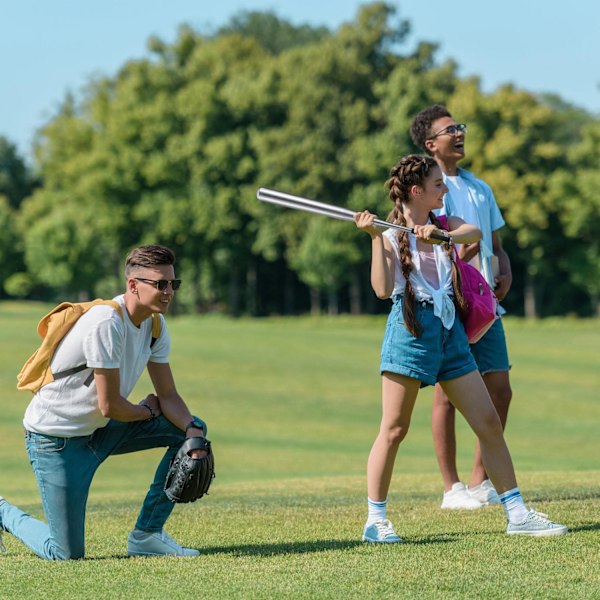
(451, 130)
(161, 284)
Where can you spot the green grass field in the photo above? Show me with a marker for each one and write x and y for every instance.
(293, 406)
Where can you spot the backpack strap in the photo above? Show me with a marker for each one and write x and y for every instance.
(443, 219)
(67, 372)
(156, 328)
(89, 378)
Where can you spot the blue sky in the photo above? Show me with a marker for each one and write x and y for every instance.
(49, 48)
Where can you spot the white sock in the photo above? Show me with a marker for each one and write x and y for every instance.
(515, 508)
(377, 510)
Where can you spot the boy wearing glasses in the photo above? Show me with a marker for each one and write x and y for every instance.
(437, 133)
(76, 422)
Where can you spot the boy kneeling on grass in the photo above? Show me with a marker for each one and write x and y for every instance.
(77, 421)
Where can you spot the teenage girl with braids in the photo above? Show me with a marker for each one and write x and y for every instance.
(425, 343)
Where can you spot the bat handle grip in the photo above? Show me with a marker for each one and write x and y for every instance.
(442, 238)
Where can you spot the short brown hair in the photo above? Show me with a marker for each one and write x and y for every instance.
(151, 255)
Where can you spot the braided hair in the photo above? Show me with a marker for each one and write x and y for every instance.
(414, 170)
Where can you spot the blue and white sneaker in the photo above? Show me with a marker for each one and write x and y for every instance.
(381, 532)
(536, 524)
(160, 543)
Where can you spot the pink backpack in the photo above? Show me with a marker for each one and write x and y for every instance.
(481, 300)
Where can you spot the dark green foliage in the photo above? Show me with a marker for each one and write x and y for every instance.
(173, 148)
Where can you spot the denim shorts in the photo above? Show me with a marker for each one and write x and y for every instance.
(437, 355)
(490, 352)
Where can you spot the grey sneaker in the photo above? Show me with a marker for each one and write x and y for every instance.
(142, 543)
(485, 493)
(381, 532)
(458, 498)
(536, 524)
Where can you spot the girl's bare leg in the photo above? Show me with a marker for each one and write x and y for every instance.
(470, 396)
(399, 394)
(498, 386)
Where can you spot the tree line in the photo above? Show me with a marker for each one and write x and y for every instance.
(172, 148)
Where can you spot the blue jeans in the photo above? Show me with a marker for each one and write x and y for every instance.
(65, 467)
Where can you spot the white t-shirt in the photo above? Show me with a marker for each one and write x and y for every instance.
(100, 339)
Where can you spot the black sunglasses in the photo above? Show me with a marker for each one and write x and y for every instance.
(451, 130)
(161, 284)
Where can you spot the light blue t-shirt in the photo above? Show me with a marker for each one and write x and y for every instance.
(479, 202)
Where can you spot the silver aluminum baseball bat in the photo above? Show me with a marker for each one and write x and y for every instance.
(328, 210)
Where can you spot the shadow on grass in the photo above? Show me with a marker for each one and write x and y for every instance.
(551, 496)
(282, 548)
(254, 549)
(308, 547)
(585, 527)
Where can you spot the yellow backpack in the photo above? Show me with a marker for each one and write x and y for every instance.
(52, 329)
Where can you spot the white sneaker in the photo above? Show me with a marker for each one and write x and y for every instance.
(381, 532)
(485, 493)
(159, 543)
(458, 498)
(537, 525)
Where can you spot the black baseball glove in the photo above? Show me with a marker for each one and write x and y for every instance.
(189, 478)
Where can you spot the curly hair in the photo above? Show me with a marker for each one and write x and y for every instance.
(414, 170)
(420, 128)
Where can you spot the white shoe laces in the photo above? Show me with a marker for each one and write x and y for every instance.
(384, 528)
(538, 516)
(541, 518)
